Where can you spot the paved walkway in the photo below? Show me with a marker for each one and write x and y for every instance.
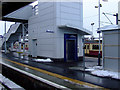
(89, 61)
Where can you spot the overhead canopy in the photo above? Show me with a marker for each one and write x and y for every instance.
(82, 31)
(110, 27)
(21, 14)
(8, 6)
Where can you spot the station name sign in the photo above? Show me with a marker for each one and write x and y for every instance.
(50, 31)
(1, 36)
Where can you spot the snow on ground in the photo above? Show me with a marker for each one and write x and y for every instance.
(97, 70)
(90, 69)
(43, 60)
(9, 83)
(21, 56)
(94, 68)
(105, 73)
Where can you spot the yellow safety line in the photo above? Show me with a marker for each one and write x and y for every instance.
(57, 75)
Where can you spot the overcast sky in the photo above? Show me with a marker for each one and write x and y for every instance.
(90, 14)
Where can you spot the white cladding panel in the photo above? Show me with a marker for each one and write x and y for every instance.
(112, 64)
(111, 47)
(40, 24)
(111, 38)
(111, 51)
(71, 13)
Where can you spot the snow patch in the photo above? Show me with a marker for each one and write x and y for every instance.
(98, 67)
(98, 71)
(94, 68)
(43, 60)
(89, 69)
(105, 73)
(22, 57)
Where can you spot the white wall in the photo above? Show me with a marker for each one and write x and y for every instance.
(69, 13)
(51, 15)
(0, 42)
(38, 25)
(111, 50)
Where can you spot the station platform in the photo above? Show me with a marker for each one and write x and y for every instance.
(60, 73)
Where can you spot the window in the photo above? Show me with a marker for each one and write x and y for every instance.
(25, 45)
(95, 47)
(87, 46)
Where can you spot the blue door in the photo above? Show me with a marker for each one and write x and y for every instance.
(70, 47)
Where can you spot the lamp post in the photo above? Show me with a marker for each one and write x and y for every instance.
(92, 29)
(116, 18)
(99, 5)
(83, 40)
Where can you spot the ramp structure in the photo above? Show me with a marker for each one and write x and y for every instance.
(14, 34)
(17, 30)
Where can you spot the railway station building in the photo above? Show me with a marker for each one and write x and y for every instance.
(56, 31)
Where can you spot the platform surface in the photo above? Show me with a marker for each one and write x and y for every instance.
(61, 73)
